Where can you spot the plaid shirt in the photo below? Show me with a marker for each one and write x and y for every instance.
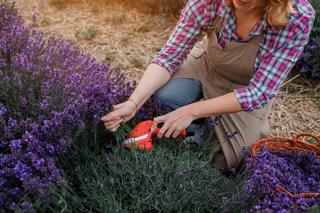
(278, 52)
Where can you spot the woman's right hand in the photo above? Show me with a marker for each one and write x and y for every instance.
(154, 77)
(121, 112)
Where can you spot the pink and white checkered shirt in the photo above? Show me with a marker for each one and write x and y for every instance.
(278, 52)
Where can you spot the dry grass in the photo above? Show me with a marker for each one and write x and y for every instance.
(109, 32)
(146, 6)
(297, 108)
(129, 39)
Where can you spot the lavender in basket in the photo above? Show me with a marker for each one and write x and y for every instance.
(297, 172)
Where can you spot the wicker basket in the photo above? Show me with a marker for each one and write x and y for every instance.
(286, 144)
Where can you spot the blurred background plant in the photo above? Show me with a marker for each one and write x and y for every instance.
(309, 63)
(154, 6)
(146, 6)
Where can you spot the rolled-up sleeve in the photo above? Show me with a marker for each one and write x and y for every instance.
(275, 66)
(184, 36)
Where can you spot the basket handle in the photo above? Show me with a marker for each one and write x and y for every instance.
(308, 134)
(305, 195)
(280, 140)
(294, 142)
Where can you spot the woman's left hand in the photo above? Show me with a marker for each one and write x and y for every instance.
(174, 122)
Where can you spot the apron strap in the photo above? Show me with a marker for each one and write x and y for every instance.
(215, 27)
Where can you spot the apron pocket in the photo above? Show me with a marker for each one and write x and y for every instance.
(260, 113)
(197, 51)
(264, 112)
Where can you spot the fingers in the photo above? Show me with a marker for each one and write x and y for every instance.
(173, 131)
(114, 129)
(118, 106)
(113, 126)
(154, 126)
(163, 129)
(110, 117)
(168, 129)
(156, 121)
(116, 114)
(110, 126)
(176, 132)
(113, 119)
(127, 118)
(169, 132)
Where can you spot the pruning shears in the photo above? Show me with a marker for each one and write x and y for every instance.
(141, 136)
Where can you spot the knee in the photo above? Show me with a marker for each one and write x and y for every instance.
(179, 92)
(164, 98)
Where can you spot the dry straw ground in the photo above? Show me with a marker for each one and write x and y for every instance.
(128, 33)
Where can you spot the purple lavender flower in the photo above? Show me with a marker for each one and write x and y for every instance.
(15, 145)
(229, 135)
(2, 64)
(50, 92)
(225, 201)
(23, 102)
(309, 62)
(45, 102)
(214, 122)
(3, 110)
(12, 123)
(295, 171)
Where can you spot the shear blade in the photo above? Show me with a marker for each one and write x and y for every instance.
(134, 140)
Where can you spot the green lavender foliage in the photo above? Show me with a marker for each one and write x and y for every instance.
(172, 178)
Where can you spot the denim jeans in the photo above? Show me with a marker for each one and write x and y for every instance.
(180, 92)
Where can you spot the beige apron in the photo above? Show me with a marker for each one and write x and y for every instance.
(221, 70)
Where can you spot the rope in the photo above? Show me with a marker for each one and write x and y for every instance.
(282, 144)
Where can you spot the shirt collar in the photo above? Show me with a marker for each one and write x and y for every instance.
(261, 26)
(230, 22)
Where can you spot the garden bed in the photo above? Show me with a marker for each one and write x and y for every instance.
(55, 154)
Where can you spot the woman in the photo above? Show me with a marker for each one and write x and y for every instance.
(231, 75)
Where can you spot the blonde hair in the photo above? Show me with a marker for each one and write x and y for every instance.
(277, 11)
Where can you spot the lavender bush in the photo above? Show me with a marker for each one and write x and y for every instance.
(297, 172)
(309, 63)
(50, 92)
